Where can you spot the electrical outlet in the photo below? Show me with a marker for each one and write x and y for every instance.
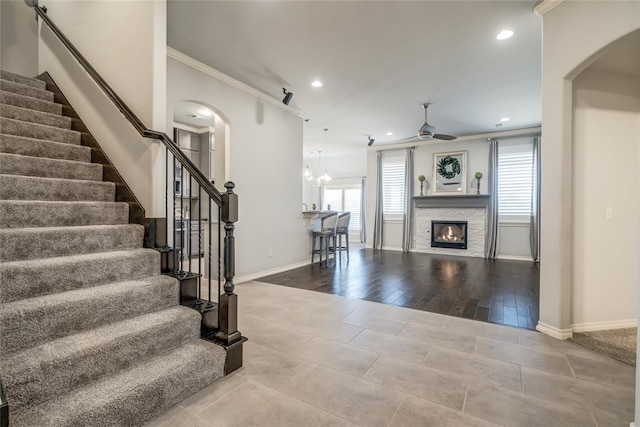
(270, 252)
(608, 213)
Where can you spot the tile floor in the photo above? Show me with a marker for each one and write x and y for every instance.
(323, 360)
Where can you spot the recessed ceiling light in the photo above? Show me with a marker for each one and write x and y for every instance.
(504, 119)
(316, 83)
(498, 125)
(389, 133)
(193, 116)
(206, 112)
(504, 34)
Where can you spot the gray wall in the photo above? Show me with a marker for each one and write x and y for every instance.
(18, 38)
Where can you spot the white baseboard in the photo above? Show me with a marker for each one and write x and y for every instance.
(515, 258)
(603, 326)
(632, 425)
(561, 334)
(391, 248)
(253, 276)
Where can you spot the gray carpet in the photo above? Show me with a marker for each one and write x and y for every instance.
(619, 344)
(92, 334)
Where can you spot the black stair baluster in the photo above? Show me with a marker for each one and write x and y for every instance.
(173, 223)
(166, 201)
(219, 251)
(209, 304)
(200, 240)
(181, 272)
(189, 227)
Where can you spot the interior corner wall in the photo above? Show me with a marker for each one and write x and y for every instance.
(606, 149)
(18, 38)
(265, 150)
(126, 43)
(573, 33)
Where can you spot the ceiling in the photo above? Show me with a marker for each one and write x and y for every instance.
(622, 56)
(184, 112)
(378, 60)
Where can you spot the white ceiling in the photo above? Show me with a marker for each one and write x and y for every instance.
(378, 60)
(184, 111)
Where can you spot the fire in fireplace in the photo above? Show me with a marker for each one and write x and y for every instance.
(449, 234)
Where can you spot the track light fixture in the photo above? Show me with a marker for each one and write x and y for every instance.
(287, 97)
(371, 141)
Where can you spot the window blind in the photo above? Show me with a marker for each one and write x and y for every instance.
(515, 182)
(352, 204)
(393, 191)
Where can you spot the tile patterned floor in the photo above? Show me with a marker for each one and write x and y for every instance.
(326, 360)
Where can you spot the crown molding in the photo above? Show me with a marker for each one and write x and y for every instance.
(546, 6)
(219, 75)
(482, 136)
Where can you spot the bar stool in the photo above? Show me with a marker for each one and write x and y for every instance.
(342, 229)
(323, 236)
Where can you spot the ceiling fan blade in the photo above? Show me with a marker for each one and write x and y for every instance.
(444, 137)
(408, 139)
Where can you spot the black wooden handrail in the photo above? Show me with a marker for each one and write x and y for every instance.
(144, 131)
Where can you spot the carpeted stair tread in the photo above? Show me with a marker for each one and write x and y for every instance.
(13, 144)
(27, 323)
(26, 90)
(31, 116)
(48, 242)
(34, 375)
(16, 187)
(44, 276)
(38, 131)
(134, 396)
(16, 164)
(27, 81)
(35, 213)
(9, 98)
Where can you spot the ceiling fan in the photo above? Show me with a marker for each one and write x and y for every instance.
(429, 132)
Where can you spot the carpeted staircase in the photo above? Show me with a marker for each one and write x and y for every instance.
(90, 333)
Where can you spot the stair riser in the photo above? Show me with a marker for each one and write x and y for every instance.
(45, 149)
(35, 83)
(38, 117)
(30, 103)
(35, 188)
(24, 90)
(128, 400)
(17, 245)
(23, 280)
(22, 214)
(34, 324)
(31, 130)
(34, 383)
(49, 168)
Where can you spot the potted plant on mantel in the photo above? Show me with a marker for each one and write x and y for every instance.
(478, 178)
(421, 178)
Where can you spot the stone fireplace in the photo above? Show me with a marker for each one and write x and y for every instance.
(469, 210)
(449, 234)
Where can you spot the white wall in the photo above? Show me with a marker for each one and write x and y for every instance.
(573, 33)
(265, 144)
(126, 44)
(606, 147)
(18, 38)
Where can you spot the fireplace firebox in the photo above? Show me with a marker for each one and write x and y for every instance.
(449, 234)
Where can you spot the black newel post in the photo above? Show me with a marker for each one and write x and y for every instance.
(228, 333)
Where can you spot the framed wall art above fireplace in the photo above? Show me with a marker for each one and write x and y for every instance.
(450, 173)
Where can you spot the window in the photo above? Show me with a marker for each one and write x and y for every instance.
(345, 199)
(515, 181)
(393, 191)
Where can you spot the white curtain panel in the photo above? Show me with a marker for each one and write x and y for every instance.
(378, 217)
(534, 224)
(363, 210)
(491, 242)
(408, 200)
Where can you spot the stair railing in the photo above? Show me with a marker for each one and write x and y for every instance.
(219, 310)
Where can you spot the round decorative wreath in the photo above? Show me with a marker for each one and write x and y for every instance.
(443, 164)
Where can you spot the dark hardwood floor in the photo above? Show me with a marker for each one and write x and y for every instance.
(499, 291)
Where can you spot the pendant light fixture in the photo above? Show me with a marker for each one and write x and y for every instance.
(326, 177)
(307, 172)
